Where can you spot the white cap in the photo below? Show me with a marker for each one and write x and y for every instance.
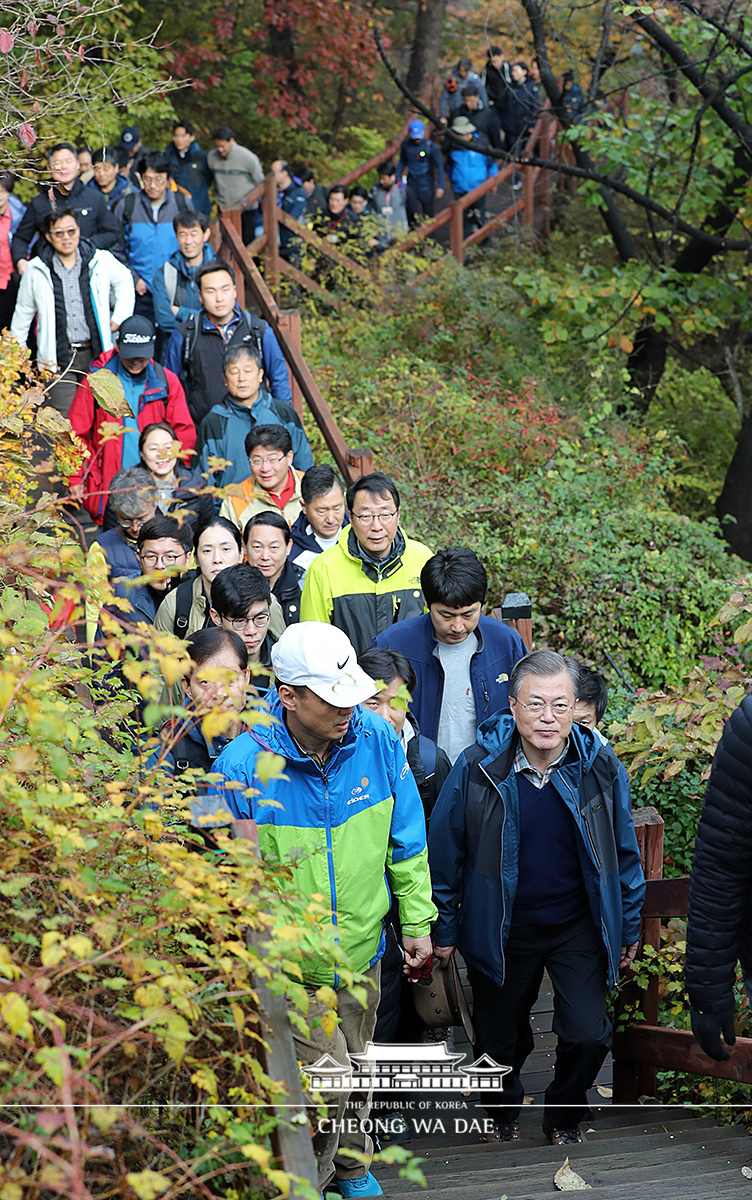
(323, 659)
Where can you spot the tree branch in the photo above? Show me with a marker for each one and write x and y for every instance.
(713, 242)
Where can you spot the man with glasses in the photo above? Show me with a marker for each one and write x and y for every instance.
(371, 578)
(535, 866)
(89, 288)
(107, 179)
(98, 224)
(241, 602)
(274, 484)
(164, 548)
(247, 405)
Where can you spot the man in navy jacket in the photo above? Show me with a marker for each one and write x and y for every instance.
(535, 865)
(462, 660)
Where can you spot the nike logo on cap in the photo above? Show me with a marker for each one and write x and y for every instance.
(342, 665)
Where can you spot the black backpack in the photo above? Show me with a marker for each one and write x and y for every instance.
(255, 330)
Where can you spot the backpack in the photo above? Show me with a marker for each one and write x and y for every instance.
(183, 606)
(130, 203)
(255, 326)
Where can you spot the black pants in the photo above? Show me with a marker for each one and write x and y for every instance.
(575, 957)
(420, 203)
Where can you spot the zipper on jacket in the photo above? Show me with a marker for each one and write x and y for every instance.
(330, 858)
(501, 873)
(604, 931)
(485, 693)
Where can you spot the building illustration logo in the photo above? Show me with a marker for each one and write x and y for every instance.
(410, 1067)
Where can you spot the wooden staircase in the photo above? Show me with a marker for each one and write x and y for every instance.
(663, 1154)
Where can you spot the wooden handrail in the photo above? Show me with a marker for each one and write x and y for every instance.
(324, 247)
(351, 463)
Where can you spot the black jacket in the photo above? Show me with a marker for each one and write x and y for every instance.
(719, 929)
(287, 591)
(98, 224)
(484, 121)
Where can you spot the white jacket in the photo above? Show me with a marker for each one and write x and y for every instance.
(112, 294)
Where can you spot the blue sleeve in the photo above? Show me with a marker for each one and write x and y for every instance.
(232, 767)
(302, 455)
(164, 316)
(446, 853)
(298, 207)
(275, 368)
(436, 159)
(173, 356)
(631, 876)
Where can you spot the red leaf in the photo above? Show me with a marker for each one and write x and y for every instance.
(6, 41)
(31, 28)
(81, 53)
(27, 135)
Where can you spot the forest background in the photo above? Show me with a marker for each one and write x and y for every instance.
(573, 412)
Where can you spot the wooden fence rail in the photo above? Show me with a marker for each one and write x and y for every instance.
(644, 1047)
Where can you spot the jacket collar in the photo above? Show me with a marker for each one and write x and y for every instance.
(375, 569)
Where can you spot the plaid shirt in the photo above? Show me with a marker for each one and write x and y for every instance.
(76, 325)
(537, 778)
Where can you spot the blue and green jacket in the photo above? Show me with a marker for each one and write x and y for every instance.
(354, 829)
(475, 841)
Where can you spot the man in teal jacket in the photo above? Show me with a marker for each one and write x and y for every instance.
(348, 801)
(535, 866)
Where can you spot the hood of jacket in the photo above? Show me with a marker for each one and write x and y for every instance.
(46, 252)
(497, 733)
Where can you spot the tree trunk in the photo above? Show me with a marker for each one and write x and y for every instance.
(735, 500)
(424, 56)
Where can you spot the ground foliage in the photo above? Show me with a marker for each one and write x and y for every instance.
(129, 1040)
(538, 464)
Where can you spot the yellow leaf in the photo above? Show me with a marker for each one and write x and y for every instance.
(327, 996)
(11, 1191)
(625, 344)
(15, 1013)
(150, 995)
(172, 667)
(148, 1184)
(109, 393)
(259, 1154)
(105, 1117)
(329, 1022)
(80, 946)
(269, 766)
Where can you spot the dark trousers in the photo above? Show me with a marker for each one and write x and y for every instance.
(420, 203)
(8, 301)
(575, 958)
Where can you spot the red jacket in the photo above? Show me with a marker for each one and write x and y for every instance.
(162, 399)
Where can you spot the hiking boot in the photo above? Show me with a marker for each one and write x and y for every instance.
(503, 1131)
(563, 1137)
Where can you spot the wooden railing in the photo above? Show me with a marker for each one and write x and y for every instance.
(286, 327)
(644, 1047)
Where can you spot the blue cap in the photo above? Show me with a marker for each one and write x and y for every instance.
(416, 129)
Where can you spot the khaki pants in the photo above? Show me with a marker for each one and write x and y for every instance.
(352, 1034)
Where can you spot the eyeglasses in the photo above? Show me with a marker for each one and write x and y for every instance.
(266, 462)
(64, 233)
(559, 708)
(368, 518)
(150, 559)
(240, 624)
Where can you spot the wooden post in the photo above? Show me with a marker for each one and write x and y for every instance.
(455, 231)
(271, 229)
(289, 321)
(528, 200)
(632, 1080)
(544, 189)
(517, 611)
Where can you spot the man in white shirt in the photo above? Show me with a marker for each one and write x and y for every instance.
(323, 515)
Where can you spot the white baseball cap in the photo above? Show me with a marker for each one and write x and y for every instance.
(321, 658)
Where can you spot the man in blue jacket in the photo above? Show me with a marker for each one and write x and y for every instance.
(196, 348)
(190, 168)
(420, 164)
(147, 219)
(462, 660)
(246, 404)
(535, 866)
(174, 286)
